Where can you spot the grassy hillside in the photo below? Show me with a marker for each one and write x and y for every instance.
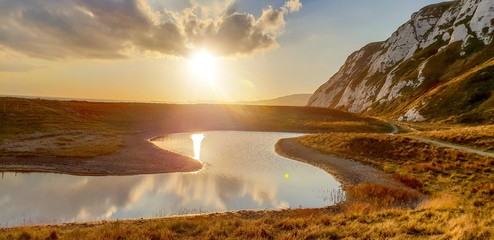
(424, 72)
(34, 127)
(457, 88)
(290, 100)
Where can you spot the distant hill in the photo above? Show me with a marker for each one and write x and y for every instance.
(438, 66)
(290, 100)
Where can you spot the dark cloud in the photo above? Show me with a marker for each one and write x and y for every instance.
(57, 29)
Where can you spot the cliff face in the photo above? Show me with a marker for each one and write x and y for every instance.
(437, 66)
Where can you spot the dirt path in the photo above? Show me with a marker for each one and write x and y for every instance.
(449, 145)
(443, 144)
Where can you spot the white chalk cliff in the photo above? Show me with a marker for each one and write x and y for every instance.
(400, 77)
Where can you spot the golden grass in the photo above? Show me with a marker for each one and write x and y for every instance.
(441, 202)
(30, 115)
(426, 167)
(460, 185)
(289, 224)
(39, 128)
(382, 196)
(62, 144)
(457, 181)
(480, 137)
(86, 129)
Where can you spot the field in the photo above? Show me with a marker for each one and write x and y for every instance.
(480, 137)
(53, 135)
(458, 185)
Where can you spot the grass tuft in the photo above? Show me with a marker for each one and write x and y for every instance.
(383, 196)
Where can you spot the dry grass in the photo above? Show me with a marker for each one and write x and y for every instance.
(426, 167)
(38, 128)
(382, 196)
(458, 182)
(460, 185)
(359, 223)
(62, 144)
(480, 137)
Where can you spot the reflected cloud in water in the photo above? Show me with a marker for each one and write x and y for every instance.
(243, 173)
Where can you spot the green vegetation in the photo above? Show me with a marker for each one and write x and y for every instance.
(438, 65)
(449, 92)
(446, 74)
(457, 89)
(360, 73)
(437, 9)
(468, 101)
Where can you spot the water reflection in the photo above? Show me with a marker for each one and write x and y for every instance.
(196, 141)
(244, 173)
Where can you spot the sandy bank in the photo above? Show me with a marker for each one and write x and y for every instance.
(349, 172)
(138, 156)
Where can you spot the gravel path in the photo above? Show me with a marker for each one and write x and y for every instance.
(449, 145)
(443, 144)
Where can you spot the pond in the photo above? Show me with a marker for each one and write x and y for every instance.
(241, 171)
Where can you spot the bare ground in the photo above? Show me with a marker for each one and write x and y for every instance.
(138, 156)
(349, 172)
(453, 146)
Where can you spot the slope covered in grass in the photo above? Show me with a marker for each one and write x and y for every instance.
(41, 130)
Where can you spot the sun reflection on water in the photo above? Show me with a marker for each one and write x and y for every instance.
(196, 140)
(243, 172)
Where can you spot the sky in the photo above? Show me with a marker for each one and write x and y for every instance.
(185, 50)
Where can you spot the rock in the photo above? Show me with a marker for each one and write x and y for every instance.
(383, 78)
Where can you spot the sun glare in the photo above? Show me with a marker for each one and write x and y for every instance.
(202, 64)
(196, 140)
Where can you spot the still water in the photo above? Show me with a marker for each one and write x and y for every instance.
(241, 171)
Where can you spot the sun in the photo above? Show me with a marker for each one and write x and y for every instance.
(202, 63)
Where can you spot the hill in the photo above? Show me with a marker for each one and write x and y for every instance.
(290, 100)
(438, 66)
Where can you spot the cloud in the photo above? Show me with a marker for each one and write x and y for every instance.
(293, 6)
(95, 29)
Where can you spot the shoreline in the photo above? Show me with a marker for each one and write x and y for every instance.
(138, 157)
(349, 173)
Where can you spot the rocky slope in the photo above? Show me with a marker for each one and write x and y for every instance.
(437, 66)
